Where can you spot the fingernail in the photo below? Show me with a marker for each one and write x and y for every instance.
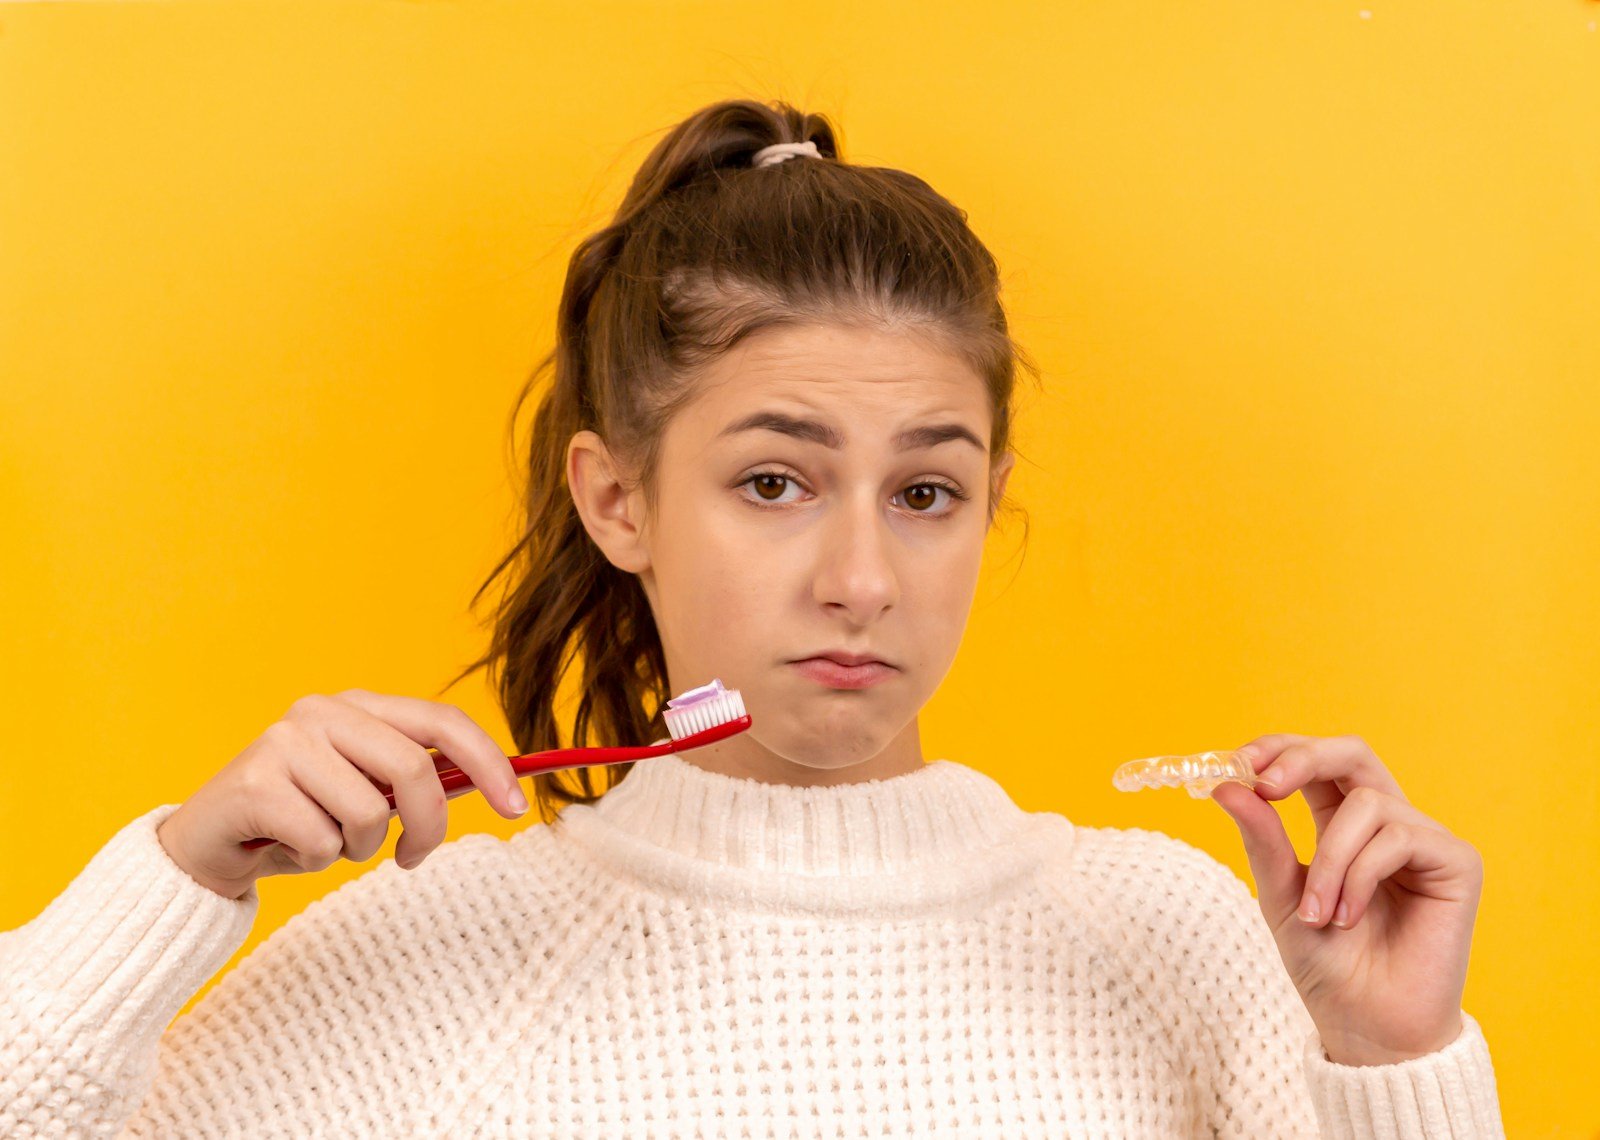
(1271, 781)
(408, 863)
(519, 802)
(1308, 911)
(1342, 914)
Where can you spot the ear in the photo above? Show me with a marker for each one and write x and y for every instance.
(610, 514)
(1002, 472)
(1001, 476)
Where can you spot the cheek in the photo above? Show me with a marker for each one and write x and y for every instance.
(942, 595)
(714, 578)
(941, 589)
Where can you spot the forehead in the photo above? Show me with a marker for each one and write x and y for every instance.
(842, 373)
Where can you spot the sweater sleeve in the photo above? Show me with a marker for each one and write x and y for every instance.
(1268, 1058)
(88, 986)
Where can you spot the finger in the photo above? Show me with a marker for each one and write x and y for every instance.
(309, 838)
(1323, 768)
(345, 793)
(462, 740)
(1364, 813)
(1420, 859)
(1274, 863)
(1263, 750)
(384, 752)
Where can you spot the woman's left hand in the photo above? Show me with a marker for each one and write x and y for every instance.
(1383, 982)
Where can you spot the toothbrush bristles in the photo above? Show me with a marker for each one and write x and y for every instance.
(725, 707)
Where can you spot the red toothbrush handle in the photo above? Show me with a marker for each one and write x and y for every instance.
(458, 783)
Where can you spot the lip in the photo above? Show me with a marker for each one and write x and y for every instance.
(826, 671)
(844, 658)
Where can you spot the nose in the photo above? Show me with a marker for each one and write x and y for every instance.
(856, 556)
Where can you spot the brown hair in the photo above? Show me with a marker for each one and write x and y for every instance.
(705, 250)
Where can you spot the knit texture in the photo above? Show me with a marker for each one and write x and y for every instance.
(698, 955)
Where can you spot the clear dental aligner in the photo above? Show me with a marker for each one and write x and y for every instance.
(1197, 772)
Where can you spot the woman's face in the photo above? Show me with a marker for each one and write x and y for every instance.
(774, 544)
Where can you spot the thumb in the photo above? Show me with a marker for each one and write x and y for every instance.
(1280, 877)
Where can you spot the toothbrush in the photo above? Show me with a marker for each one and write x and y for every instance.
(1197, 773)
(699, 717)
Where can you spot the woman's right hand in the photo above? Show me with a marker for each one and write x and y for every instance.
(308, 782)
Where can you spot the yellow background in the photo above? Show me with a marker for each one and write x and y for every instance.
(1314, 287)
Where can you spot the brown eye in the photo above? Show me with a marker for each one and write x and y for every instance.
(768, 481)
(920, 497)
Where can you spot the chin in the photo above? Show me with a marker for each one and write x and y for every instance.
(832, 741)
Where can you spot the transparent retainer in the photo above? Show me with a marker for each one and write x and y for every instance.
(1197, 772)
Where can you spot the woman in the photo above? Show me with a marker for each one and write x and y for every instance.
(778, 432)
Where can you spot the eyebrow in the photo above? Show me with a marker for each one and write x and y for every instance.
(811, 431)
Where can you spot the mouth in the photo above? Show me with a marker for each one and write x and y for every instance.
(840, 657)
(860, 674)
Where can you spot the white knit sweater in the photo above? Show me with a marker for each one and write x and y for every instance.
(702, 956)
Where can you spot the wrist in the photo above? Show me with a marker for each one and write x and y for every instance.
(1360, 1053)
(171, 842)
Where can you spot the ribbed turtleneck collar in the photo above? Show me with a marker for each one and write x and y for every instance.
(942, 833)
